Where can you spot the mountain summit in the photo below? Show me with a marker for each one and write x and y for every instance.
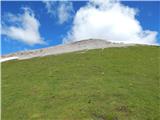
(66, 48)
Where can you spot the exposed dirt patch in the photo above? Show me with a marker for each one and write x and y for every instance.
(123, 109)
(102, 117)
(99, 117)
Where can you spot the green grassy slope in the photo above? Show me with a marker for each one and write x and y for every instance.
(109, 84)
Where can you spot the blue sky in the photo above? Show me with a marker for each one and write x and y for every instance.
(54, 28)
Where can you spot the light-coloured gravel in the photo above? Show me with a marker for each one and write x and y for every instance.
(66, 48)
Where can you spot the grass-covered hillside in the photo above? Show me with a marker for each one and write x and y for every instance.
(108, 84)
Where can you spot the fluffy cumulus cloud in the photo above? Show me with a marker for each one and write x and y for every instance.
(23, 27)
(109, 20)
(62, 10)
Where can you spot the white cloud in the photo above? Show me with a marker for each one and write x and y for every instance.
(109, 20)
(50, 7)
(23, 27)
(62, 10)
